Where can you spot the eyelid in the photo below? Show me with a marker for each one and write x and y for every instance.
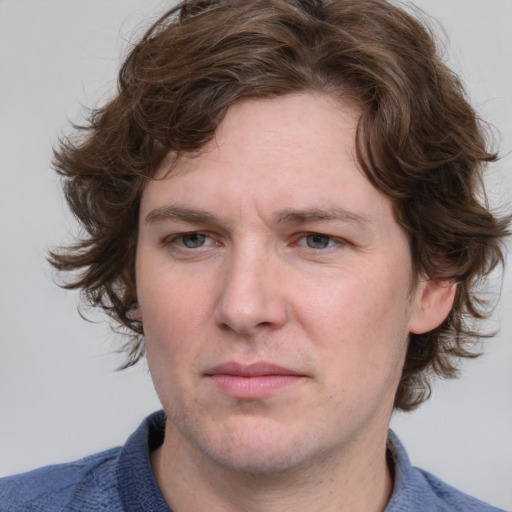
(338, 241)
(298, 238)
(176, 237)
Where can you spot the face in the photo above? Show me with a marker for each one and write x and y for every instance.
(275, 289)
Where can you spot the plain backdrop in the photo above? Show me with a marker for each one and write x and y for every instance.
(60, 396)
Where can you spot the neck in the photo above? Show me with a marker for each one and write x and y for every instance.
(358, 481)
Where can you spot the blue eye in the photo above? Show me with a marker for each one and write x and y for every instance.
(193, 240)
(318, 241)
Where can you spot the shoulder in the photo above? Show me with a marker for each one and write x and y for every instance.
(419, 490)
(79, 485)
(449, 499)
(115, 480)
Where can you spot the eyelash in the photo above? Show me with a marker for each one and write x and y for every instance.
(178, 240)
(332, 241)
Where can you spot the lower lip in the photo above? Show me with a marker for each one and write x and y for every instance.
(261, 386)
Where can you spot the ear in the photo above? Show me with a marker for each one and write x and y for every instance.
(432, 303)
(135, 313)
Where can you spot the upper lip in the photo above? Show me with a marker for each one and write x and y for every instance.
(258, 369)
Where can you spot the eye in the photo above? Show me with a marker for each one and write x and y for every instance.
(318, 241)
(191, 245)
(192, 240)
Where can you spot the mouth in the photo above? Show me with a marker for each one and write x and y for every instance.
(252, 381)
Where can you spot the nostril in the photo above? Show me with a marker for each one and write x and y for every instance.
(249, 304)
(223, 326)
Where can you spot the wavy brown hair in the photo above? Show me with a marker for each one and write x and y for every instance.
(418, 141)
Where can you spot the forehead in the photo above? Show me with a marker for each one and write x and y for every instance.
(295, 151)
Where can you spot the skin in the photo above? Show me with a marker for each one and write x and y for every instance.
(272, 246)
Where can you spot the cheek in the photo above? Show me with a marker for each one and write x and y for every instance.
(170, 353)
(170, 302)
(363, 322)
(171, 318)
(361, 302)
(361, 346)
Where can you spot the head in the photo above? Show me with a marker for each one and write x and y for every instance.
(417, 141)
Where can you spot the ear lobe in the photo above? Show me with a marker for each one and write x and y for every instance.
(135, 313)
(433, 302)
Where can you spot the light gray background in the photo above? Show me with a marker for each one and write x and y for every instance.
(60, 397)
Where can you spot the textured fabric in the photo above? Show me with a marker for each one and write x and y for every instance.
(418, 490)
(121, 480)
(118, 480)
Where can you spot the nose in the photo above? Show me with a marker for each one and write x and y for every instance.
(251, 299)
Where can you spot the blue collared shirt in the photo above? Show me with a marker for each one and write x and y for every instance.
(121, 480)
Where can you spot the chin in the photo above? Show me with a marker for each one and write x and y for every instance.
(258, 460)
(255, 449)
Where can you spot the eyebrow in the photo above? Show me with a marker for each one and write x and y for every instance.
(183, 214)
(330, 214)
(285, 216)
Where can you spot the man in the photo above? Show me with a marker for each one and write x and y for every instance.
(282, 205)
